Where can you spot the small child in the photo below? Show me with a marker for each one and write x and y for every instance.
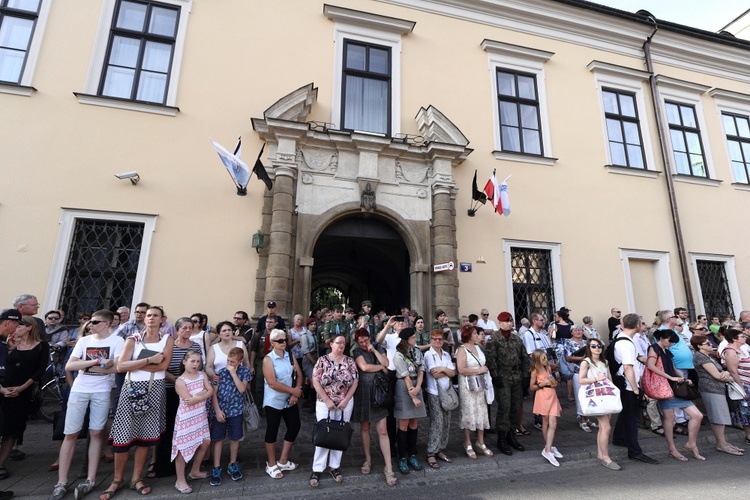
(546, 403)
(191, 436)
(229, 405)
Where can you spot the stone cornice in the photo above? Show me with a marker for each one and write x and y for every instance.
(616, 70)
(435, 126)
(509, 49)
(367, 19)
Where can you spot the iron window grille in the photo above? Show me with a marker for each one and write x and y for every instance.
(687, 147)
(366, 92)
(520, 122)
(737, 128)
(140, 51)
(623, 129)
(717, 299)
(102, 266)
(17, 24)
(533, 290)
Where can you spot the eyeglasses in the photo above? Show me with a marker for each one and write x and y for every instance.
(595, 346)
(139, 312)
(437, 339)
(192, 320)
(96, 321)
(237, 318)
(706, 343)
(483, 314)
(280, 341)
(53, 317)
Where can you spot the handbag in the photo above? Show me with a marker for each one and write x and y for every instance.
(600, 398)
(382, 396)
(448, 397)
(735, 392)
(138, 396)
(250, 414)
(332, 434)
(476, 383)
(655, 386)
(489, 393)
(685, 390)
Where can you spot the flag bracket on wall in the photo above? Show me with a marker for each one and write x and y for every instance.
(477, 197)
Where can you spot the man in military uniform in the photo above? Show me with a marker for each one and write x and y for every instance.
(369, 317)
(507, 361)
(337, 326)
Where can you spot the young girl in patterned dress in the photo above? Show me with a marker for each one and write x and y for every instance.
(191, 435)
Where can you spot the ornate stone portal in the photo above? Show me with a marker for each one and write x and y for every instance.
(322, 176)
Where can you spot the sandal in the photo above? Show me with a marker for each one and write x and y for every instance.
(142, 490)
(729, 450)
(484, 450)
(442, 456)
(194, 477)
(678, 456)
(185, 491)
(470, 452)
(274, 472)
(694, 451)
(680, 430)
(365, 469)
(314, 479)
(336, 475)
(520, 431)
(659, 431)
(109, 493)
(432, 462)
(151, 472)
(390, 477)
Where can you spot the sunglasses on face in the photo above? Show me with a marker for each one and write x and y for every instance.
(595, 346)
(280, 341)
(96, 321)
(53, 317)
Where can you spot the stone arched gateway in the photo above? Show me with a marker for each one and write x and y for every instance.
(322, 176)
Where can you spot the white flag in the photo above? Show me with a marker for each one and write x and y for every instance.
(233, 161)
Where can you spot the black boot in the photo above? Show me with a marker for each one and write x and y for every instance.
(513, 442)
(503, 446)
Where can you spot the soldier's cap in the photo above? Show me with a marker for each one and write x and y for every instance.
(339, 308)
(406, 333)
(366, 303)
(349, 310)
(271, 303)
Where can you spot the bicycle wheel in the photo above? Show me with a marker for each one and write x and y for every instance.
(51, 400)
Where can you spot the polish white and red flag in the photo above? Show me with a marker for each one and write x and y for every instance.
(497, 193)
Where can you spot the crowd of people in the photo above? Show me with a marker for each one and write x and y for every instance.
(169, 395)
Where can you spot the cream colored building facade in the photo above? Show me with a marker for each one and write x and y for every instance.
(375, 115)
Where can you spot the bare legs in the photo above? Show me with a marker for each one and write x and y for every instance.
(549, 426)
(602, 438)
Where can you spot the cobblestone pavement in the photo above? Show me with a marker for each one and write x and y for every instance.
(29, 477)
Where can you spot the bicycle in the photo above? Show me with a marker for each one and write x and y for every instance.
(52, 396)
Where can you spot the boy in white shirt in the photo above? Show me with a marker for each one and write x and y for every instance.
(94, 357)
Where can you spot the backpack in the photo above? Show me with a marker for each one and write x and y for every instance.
(614, 365)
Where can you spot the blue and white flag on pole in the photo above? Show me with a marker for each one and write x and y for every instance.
(237, 168)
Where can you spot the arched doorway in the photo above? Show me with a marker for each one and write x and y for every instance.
(365, 258)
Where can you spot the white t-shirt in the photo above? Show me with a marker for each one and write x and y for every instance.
(431, 360)
(92, 347)
(153, 346)
(535, 340)
(487, 326)
(625, 355)
(391, 342)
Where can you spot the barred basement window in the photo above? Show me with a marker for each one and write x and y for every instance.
(717, 299)
(102, 266)
(533, 289)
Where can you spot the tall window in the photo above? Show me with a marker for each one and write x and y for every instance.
(102, 266)
(140, 51)
(715, 290)
(17, 21)
(366, 96)
(623, 129)
(687, 147)
(737, 129)
(520, 129)
(533, 287)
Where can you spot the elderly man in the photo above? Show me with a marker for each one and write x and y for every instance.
(508, 362)
(135, 325)
(124, 312)
(485, 323)
(29, 306)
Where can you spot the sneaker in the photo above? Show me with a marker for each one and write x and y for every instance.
(403, 466)
(414, 463)
(216, 476)
(584, 426)
(83, 488)
(234, 471)
(550, 458)
(538, 426)
(60, 490)
(556, 453)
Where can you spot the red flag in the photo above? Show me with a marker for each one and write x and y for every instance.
(492, 188)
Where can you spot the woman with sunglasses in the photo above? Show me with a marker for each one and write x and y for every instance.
(593, 369)
(282, 390)
(664, 339)
(712, 379)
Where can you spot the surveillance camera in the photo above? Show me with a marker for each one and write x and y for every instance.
(127, 175)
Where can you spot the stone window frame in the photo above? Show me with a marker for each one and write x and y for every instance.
(555, 261)
(97, 63)
(733, 284)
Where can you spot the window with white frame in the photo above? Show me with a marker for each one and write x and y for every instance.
(137, 55)
(100, 261)
(367, 70)
(21, 26)
(716, 281)
(522, 131)
(734, 109)
(683, 111)
(626, 129)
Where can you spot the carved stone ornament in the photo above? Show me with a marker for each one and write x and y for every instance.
(414, 173)
(319, 160)
(368, 199)
(421, 193)
(307, 178)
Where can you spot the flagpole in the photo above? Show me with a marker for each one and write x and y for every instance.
(241, 190)
(506, 179)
